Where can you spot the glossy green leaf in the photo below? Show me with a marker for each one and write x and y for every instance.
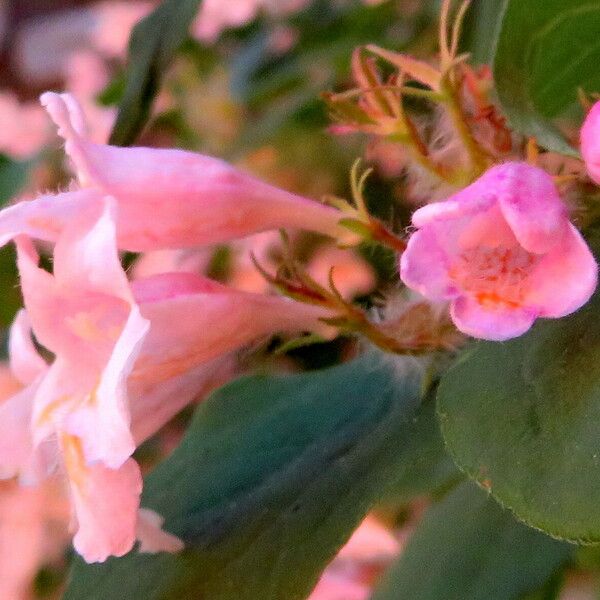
(154, 42)
(545, 51)
(523, 419)
(468, 548)
(428, 467)
(271, 479)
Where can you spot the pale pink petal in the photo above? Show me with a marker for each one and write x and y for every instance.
(493, 323)
(424, 267)
(530, 204)
(86, 257)
(102, 423)
(9, 384)
(152, 537)
(177, 199)
(45, 217)
(337, 587)
(22, 533)
(171, 285)
(42, 300)
(18, 456)
(471, 200)
(152, 404)
(370, 541)
(106, 503)
(25, 362)
(65, 319)
(66, 113)
(191, 329)
(60, 391)
(590, 142)
(565, 278)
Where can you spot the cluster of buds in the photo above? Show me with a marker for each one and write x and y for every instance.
(462, 109)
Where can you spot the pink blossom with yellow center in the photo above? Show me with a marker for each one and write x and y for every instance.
(503, 252)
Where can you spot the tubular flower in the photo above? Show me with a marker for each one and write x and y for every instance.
(590, 142)
(126, 359)
(166, 198)
(503, 252)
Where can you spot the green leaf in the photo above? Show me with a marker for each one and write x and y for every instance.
(153, 44)
(13, 177)
(427, 466)
(272, 477)
(468, 548)
(545, 51)
(523, 419)
(482, 24)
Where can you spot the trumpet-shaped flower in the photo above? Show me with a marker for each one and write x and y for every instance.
(503, 252)
(127, 357)
(166, 198)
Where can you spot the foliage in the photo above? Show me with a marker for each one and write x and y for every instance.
(271, 479)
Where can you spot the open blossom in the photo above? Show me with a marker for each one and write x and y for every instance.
(127, 358)
(166, 198)
(503, 252)
(590, 142)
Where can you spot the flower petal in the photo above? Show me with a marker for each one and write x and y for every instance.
(527, 197)
(25, 362)
(86, 257)
(106, 503)
(531, 205)
(154, 404)
(102, 422)
(45, 217)
(18, 456)
(191, 329)
(177, 199)
(496, 324)
(590, 142)
(424, 266)
(152, 537)
(565, 278)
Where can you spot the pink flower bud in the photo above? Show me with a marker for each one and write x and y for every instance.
(503, 252)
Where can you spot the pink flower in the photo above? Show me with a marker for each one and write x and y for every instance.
(590, 142)
(166, 198)
(127, 358)
(503, 252)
